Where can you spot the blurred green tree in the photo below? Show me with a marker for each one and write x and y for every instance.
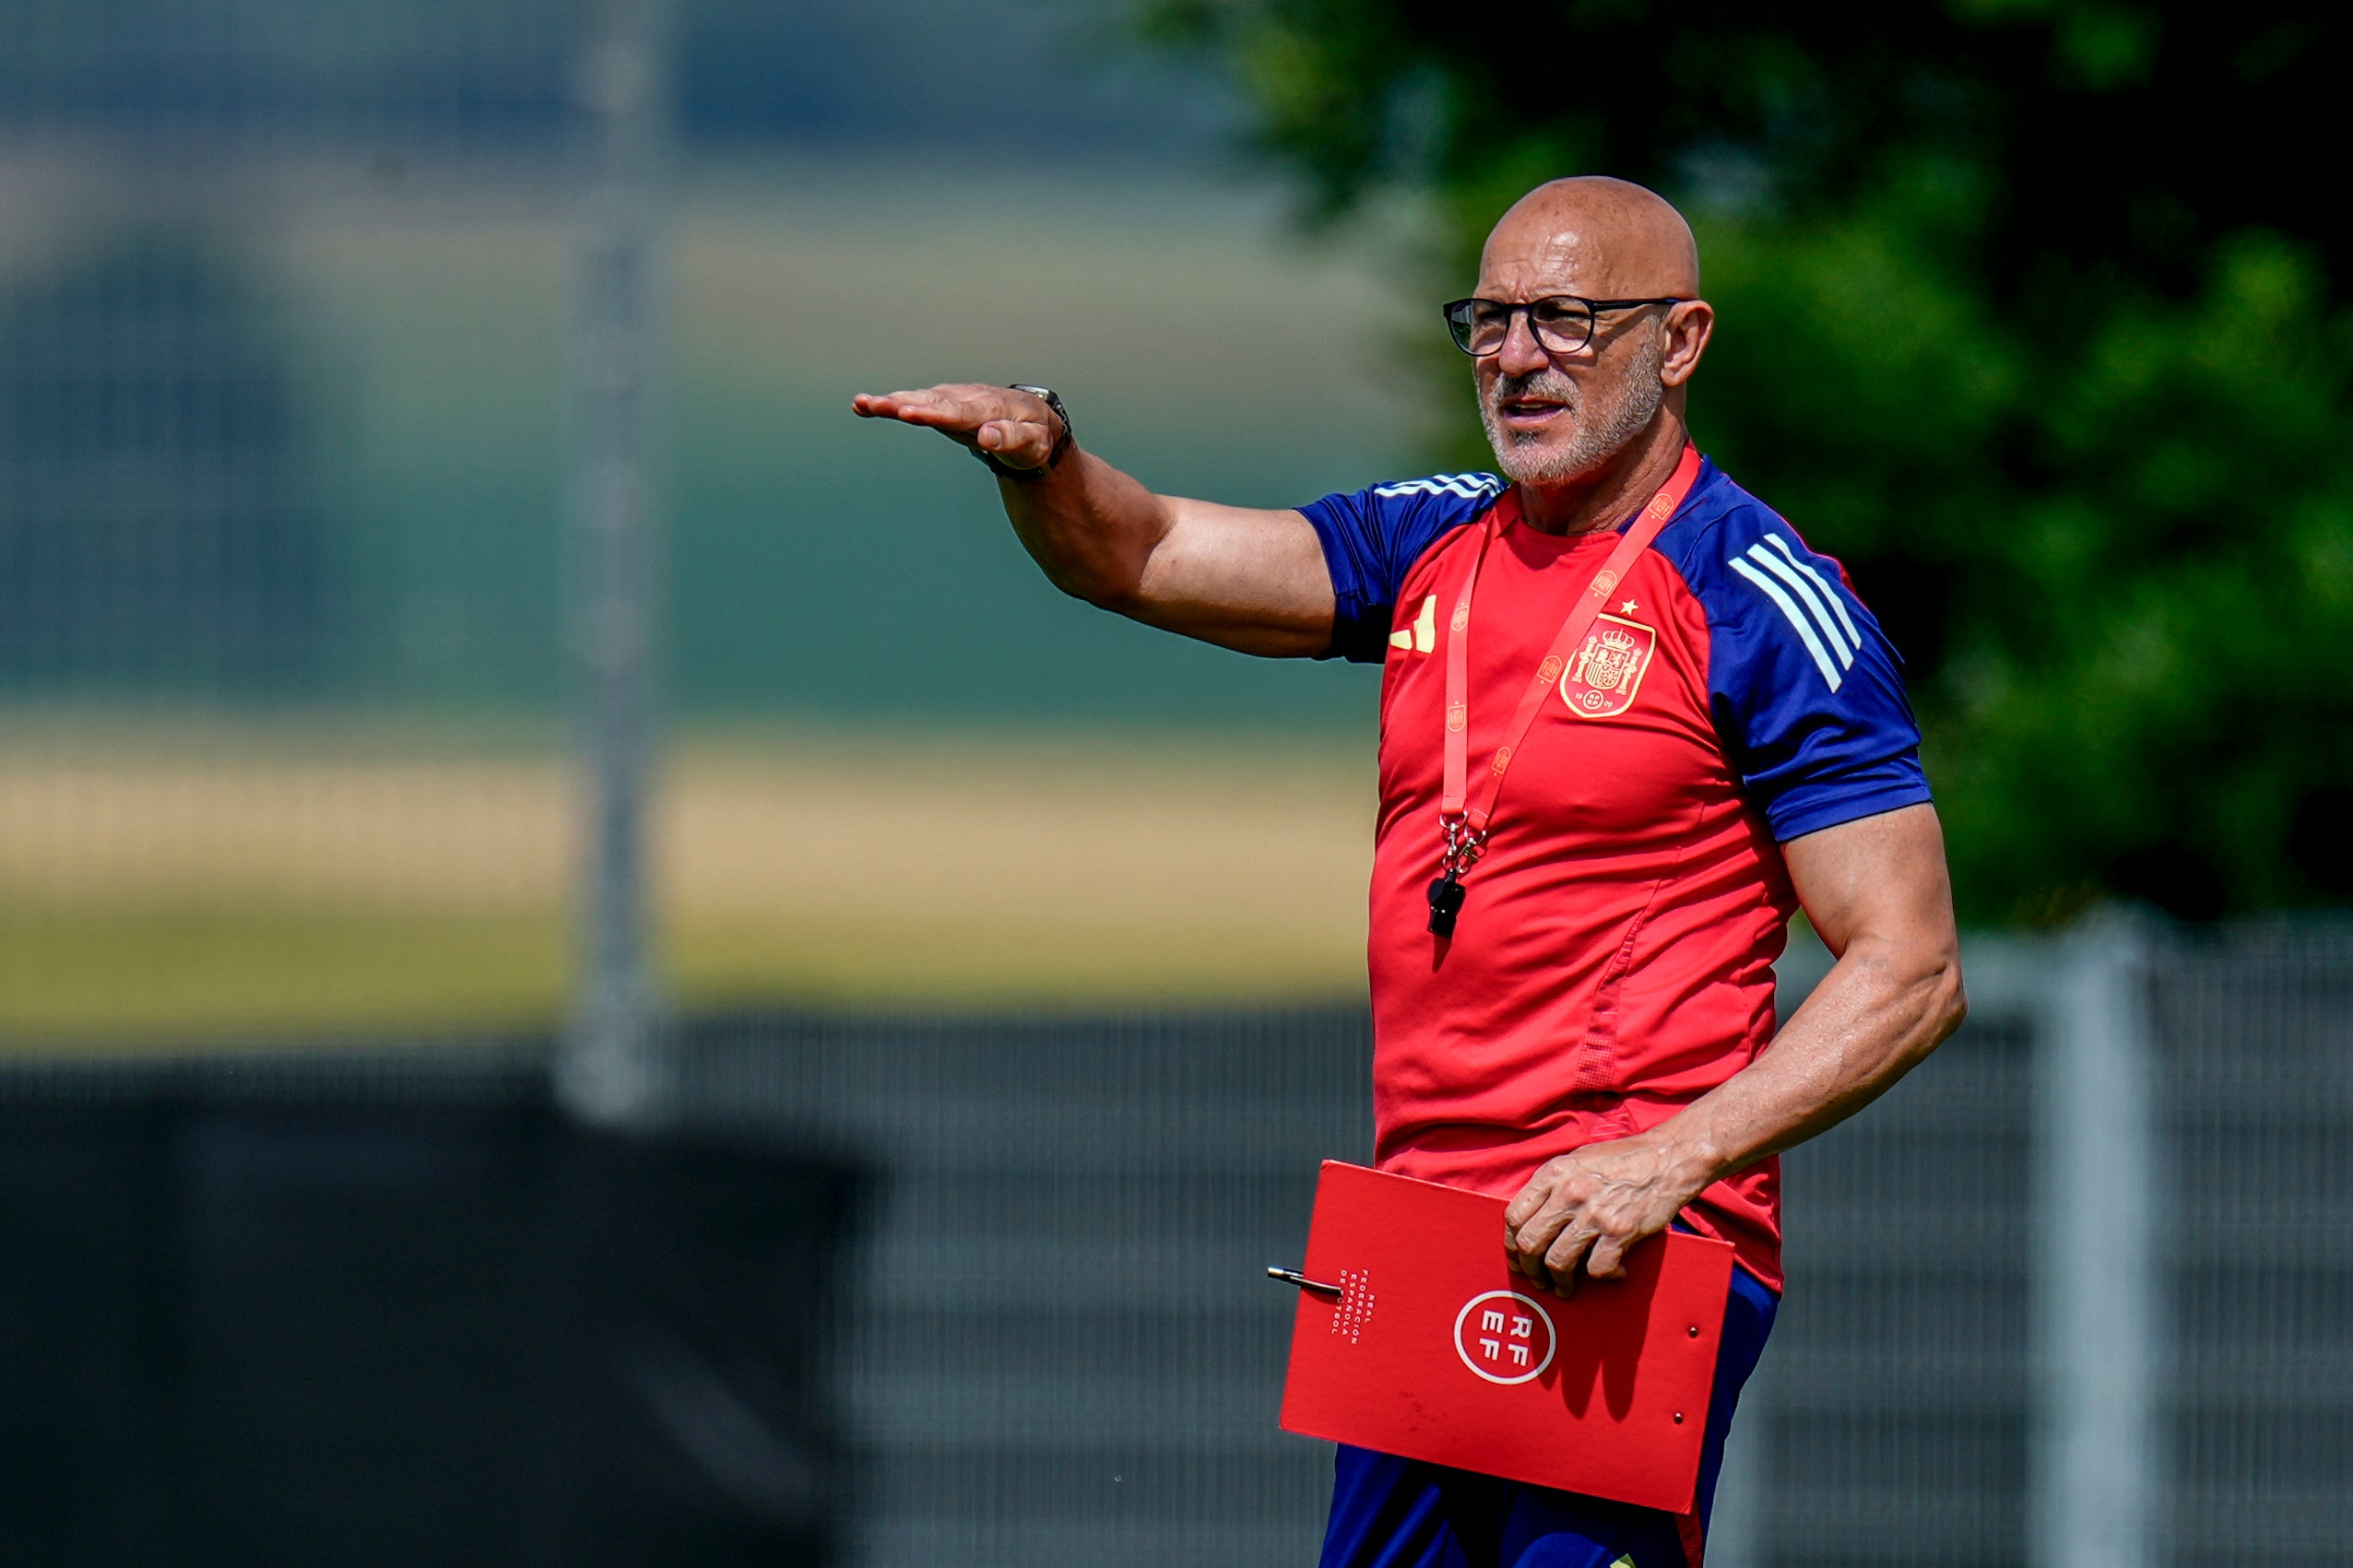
(2031, 311)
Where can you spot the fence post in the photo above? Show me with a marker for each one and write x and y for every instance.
(610, 1070)
(2093, 1447)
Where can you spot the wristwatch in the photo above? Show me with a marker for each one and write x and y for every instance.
(1062, 444)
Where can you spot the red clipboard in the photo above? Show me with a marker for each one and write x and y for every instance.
(1435, 1349)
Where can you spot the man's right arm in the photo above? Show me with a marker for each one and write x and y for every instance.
(1252, 581)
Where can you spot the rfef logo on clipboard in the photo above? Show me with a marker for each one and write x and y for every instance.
(1427, 1346)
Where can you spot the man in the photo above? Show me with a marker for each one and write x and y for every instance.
(1631, 723)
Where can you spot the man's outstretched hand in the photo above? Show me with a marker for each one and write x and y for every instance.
(1016, 428)
(1248, 580)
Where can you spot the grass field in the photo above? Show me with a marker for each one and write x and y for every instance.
(275, 882)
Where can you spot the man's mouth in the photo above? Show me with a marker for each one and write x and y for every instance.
(1526, 413)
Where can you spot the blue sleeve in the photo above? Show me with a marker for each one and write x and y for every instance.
(1807, 692)
(1372, 538)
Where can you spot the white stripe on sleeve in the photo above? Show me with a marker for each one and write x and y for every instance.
(1796, 618)
(1788, 572)
(1829, 590)
(1469, 487)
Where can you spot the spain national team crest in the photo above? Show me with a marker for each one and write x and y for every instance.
(1603, 679)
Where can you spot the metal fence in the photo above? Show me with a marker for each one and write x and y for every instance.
(2252, 1088)
(2076, 1294)
(344, 582)
(1064, 1348)
(280, 357)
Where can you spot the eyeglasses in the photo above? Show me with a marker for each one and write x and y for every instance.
(1562, 323)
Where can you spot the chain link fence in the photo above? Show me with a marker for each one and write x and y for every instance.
(280, 333)
(1057, 1345)
(2253, 1089)
(1064, 1351)
(406, 411)
(2076, 1291)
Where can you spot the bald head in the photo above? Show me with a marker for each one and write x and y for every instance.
(1592, 235)
(1586, 402)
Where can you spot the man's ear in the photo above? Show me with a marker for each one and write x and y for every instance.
(1687, 328)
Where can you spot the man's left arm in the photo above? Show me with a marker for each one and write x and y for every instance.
(1878, 894)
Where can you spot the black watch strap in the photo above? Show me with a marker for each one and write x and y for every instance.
(1061, 443)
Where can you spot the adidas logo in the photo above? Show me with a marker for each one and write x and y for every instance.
(1422, 635)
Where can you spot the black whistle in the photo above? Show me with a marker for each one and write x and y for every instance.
(1446, 902)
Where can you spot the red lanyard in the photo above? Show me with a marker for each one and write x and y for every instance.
(1465, 822)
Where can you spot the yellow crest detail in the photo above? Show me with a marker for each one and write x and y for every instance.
(1607, 672)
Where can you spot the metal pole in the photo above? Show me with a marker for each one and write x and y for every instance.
(609, 1068)
(2096, 1317)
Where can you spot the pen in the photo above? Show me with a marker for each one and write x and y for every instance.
(1291, 1277)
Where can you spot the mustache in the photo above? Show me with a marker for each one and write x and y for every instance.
(1547, 383)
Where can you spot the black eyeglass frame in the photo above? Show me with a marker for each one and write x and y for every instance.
(1459, 332)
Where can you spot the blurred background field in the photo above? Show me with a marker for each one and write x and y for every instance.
(244, 881)
(291, 313)
(942, 781)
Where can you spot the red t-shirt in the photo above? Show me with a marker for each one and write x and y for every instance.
(1613, 959)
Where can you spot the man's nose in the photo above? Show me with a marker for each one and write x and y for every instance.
(1521, 355)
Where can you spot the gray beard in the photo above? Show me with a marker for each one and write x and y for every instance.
(1603, 428)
